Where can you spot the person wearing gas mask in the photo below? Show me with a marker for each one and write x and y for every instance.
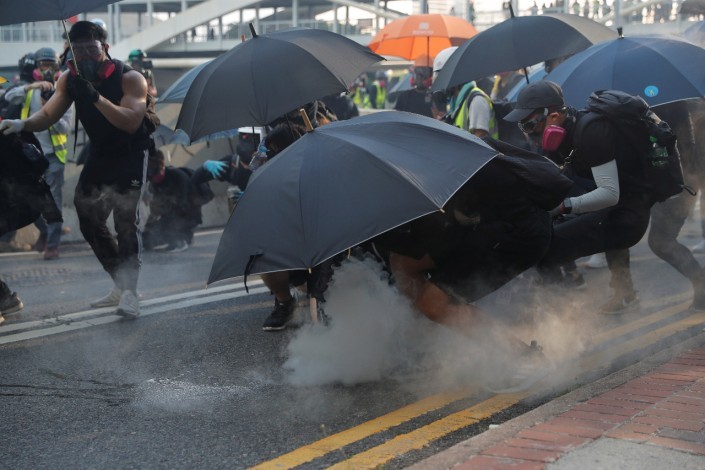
(611, 217)
(418, 99)
(111, 103)
(32, 97)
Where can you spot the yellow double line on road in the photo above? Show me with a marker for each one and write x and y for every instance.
(424, 435)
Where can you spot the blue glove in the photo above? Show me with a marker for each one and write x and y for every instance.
(215, 167)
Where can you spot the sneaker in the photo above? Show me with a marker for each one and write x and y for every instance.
(177, 247)
(597, 261)
(129, 305)
(281, 315)
(11, 304)
(110, 300)
(51, 253)
(620, 303)
(699, 248)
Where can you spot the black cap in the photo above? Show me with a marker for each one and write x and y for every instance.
(537, 95)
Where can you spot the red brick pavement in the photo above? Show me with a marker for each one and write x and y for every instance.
(665, 407)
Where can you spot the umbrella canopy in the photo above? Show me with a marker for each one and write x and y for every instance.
(659, 69)
(519, 42)
(268, 76)
(696, 33)
(342, 184)
(418, 35)
(177, 91)
(19, 11)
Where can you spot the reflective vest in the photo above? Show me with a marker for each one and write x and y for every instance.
(58, 141)
(360, 98)
(462, 117)
(381, 96)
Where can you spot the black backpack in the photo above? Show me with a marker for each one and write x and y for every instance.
(543, 183)
(651, 138)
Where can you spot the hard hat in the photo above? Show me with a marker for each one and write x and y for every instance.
(100, 23)
(443, 57)
(137, 54)
(45, 54)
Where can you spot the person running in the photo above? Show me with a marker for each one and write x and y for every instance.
(112, 107)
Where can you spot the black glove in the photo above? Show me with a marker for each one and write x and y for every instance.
(83, 89)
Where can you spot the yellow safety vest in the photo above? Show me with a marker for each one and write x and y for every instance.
(381, 96)
(58, 141)
(461, 119)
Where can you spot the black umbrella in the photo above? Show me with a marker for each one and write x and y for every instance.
(267, 76)
(20, 11)
(519, 42)
(696, 33)
(657, 68)
(177, 91)
(342, 184)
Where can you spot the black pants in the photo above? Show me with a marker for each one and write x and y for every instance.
(119, 257)
(612, 230)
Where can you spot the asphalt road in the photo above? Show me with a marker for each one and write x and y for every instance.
(195, 382)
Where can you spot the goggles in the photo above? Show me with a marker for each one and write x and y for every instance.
(90, 49)
(528, 126)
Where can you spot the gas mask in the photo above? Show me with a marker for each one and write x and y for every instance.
(89, 68)
(47, 75)
(552, 138)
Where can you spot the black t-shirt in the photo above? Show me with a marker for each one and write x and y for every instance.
(413, 101)
(600, 143)
(173, 194)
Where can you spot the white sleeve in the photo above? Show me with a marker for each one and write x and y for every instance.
(605, 195)
(15, 95)
(479, 114)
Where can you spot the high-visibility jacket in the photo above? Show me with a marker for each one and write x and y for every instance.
(360, 98)
(58, 141)
(463, 115)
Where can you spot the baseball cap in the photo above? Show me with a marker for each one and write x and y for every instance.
(537, 95)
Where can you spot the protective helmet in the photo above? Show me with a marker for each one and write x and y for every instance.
(137, 54)
(100, 23)
(45, 54)
(442, 58)
(380, 75)
(27, 64)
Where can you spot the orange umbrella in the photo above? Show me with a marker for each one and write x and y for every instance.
(416, 35)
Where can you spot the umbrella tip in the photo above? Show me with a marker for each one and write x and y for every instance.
(307, 121)
(252, 30)
(511, 10)
(619, 33)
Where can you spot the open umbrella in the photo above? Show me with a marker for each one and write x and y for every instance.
(418, 35)
(657, 68)
(519, 42)
(20, 11)
(696, 33)
(267, 76)
(342, 184)
(177, 91)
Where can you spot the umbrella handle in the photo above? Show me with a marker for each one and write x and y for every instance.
(307, 121)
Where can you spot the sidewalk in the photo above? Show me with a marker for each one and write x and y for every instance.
(650, 415)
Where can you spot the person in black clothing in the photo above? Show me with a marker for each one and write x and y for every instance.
(418, 100)
(488, 233)
(112, 107)
(174, 207)
(342, 105)
(610, 218)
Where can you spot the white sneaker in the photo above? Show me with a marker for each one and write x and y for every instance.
(597, 261)
(110, 300)
(129, 305)
(177, 247)
(699, 248)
